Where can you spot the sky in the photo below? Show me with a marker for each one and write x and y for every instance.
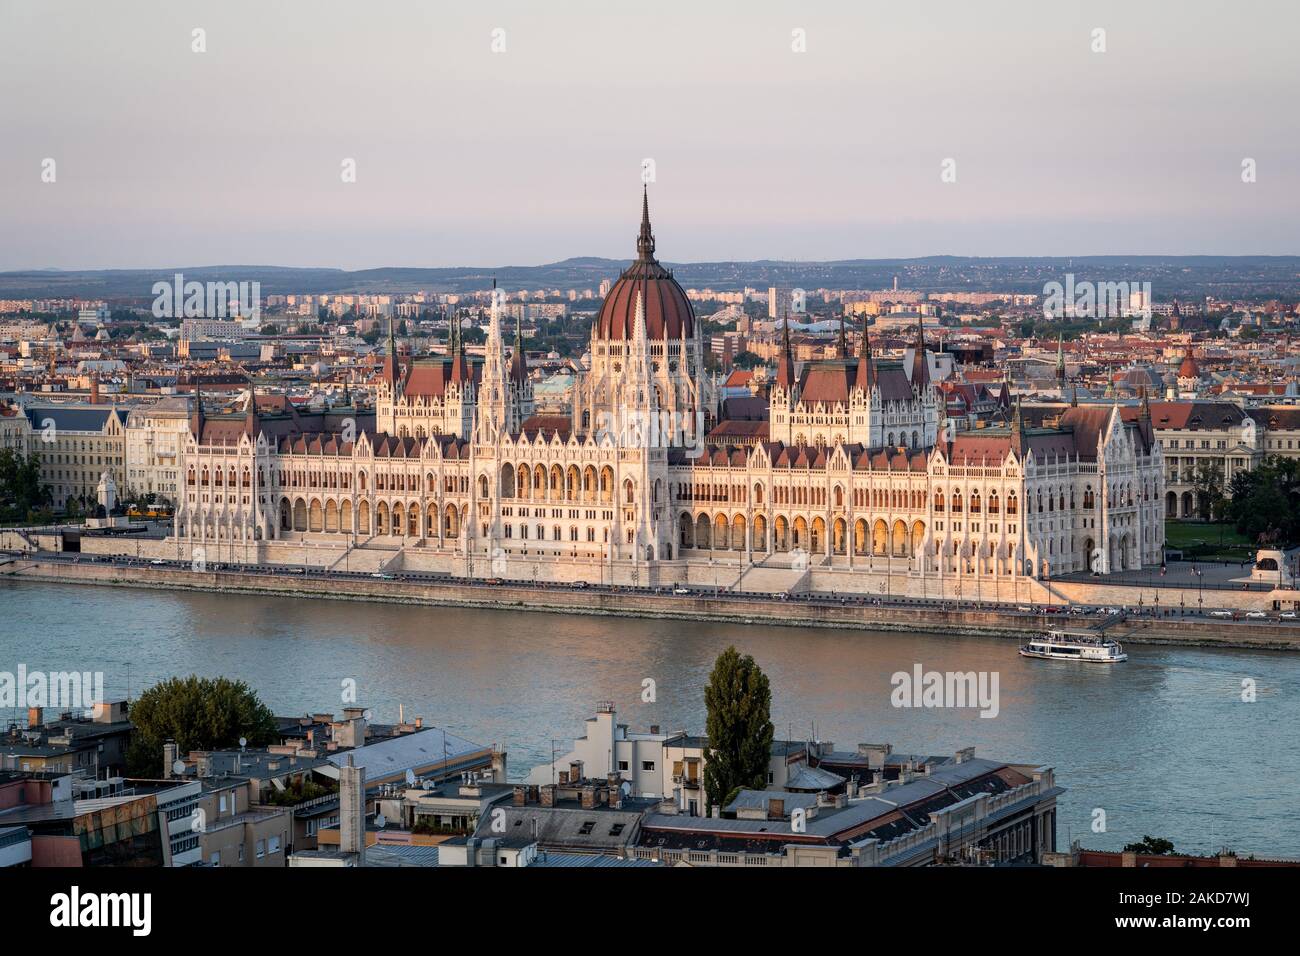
(532, 153)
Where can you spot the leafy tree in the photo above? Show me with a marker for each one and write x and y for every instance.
(1207, 486)
(747, 359)
(21, 490)
(1151, 845)
(739, 727)
(1265, 502)
(198, 713)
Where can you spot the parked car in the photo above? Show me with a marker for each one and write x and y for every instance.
(1256, 616)
(157, 561)
(1222, 614)
(1289, 616)
(681, 590)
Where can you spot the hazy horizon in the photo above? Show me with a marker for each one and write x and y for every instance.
(166, 157)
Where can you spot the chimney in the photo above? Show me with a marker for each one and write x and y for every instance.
(589, 797)
(775, 808)
(520, 795)
(169, 758)
(564, 777)
(575, 771)
(547, 793)
(35, 717)
(352, 810)
(613, 779)
(499, 766)
(419, 723)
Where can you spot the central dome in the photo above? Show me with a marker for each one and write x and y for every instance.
(668, 313)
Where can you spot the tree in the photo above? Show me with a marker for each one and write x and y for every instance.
(739, 727)
(198, 713)
(1207, 486)
(1154, 846)
(1265, 502)
(21, 490)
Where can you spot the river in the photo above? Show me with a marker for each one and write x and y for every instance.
(1163, 744)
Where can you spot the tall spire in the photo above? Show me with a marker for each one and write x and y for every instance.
(866, 368)
(1018, 439)
(1060, 359)
(519, 361)
(251, 424)
(844, 345)
(1144, 419)
(920, 367)
(460, 369)
(393, 372)
(196, 416)
(645, 242)
(785, 365)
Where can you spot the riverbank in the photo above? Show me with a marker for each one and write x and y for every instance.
(746, 609)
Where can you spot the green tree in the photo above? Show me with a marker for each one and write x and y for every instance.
(1207, 486)
(739, 727)
(1265, 503)
(1152, 845)
(21, 490)
(198, 713)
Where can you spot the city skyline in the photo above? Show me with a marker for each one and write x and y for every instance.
(467, 155)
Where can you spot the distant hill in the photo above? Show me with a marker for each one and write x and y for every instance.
(1182, 276)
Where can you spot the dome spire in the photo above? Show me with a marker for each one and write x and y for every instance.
(645, 242)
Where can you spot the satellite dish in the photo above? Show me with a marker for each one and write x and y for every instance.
(380, 821)
(243, 741)
(410, 778)
(368, 715)
(178, 766)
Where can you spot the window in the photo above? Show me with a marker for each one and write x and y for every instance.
(616, 829)
(648, 766)
(215, 859)
(261, 849)
(274, 846)
(622, 765)
(587, 827)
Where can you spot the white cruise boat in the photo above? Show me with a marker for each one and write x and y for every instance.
(1058, 645)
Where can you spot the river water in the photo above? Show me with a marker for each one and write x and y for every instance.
(1163, 744)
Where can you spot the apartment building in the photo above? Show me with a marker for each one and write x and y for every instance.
(154, 438)
(653, 764)
(77, 445)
